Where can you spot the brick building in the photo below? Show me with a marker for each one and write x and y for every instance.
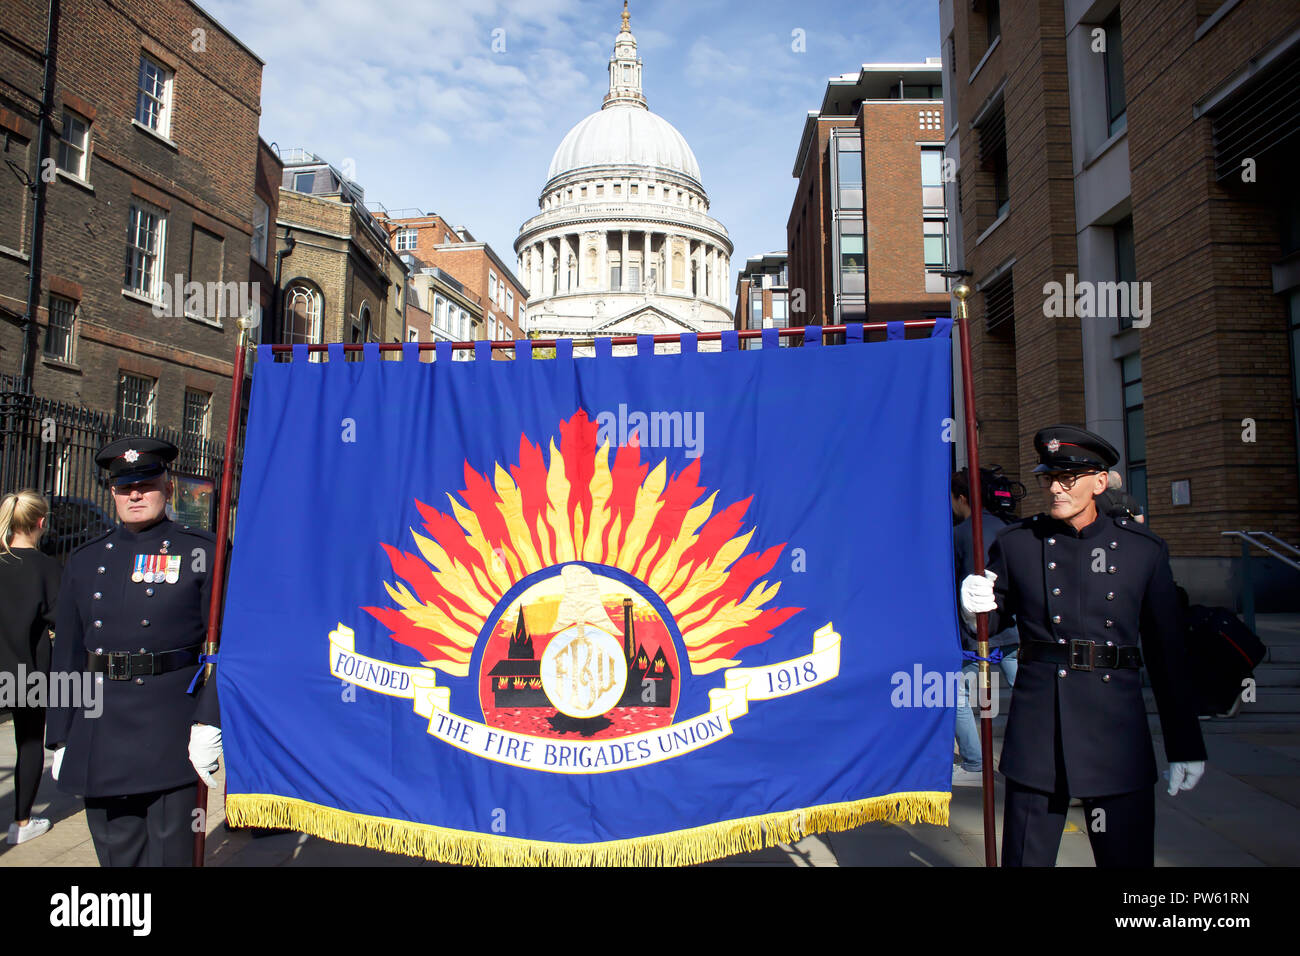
(339, 279)
(763, 295)
(427, 241)
(867, 231)
(1124, 205)
(153, 153)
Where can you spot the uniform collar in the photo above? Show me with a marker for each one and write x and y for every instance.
(149, 534)
(1090, 531)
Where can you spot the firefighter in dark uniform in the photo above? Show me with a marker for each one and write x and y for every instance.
(1095, 601)
(133, 610)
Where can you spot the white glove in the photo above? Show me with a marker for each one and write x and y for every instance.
(58, 763)
(977, 596)
(205, 751)
(1184, 774)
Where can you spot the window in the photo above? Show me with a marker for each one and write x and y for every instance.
(153, 102)
(510, 302)
(932, 177)
(1135, 435)
(404, 240)
(848, 170)
(261, 223)
(196, 414)
(600, 189)
(1000, 307)
(615, 277)
(135, 398)
(993, 19)
(304, 182)
(1113, 58)
(993, 165)
(1293, 309)
(755, 307)
(412, 335)
(634, 278)
(492, 286)
(145, 230)
(492, 327)
(302, 315)
(780, 309)
(60, 333)
(936, 254)
(853, 262)
(1125, 262)
(73, 144)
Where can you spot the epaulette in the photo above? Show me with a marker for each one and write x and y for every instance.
(1020, 523)
(94, 540)
(1137, 527)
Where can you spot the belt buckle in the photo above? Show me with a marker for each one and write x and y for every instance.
(119, 665)
(1075, 648)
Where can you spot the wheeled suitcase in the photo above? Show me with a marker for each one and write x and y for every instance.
(1223, 653)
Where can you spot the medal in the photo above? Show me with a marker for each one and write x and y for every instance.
(173, 573)
(138, 574)
(150, 564)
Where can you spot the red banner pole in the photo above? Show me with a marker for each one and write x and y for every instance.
(961, 292)
(218, 571)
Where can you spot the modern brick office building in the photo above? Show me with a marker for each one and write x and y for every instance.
(763, 295)
(867, 231)
(1125, 202)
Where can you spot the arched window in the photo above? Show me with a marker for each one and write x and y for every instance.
(303, 305)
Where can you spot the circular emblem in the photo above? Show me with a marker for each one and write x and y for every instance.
(131, 455)
(583, 671)
(1053, 446)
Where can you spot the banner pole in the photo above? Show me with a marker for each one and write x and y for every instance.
(219, 559)
(961, 292)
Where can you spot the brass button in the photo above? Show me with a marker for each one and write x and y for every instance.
(97, 595)
(109, 545)
(99, 570)
(99, 650)
(1110, 624)
(1056, 619)
(1110, 595)
(1056, 591)
(1061, 672)
(139, 680)
(1111, 569)
(99, 624)
(144, 623)
(1105, 678)
(148, 592)
(1114, 545)
(1060, 640)
(1051, 565)
(1051, 541)
(1110, 643)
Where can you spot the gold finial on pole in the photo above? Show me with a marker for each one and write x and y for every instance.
(627, 24)
(961, 292)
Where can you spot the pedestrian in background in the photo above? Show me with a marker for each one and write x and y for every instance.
(1116, 502)
(29, 589)
(971, 771)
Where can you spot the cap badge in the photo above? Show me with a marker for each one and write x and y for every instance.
(1053, 446)
(131, 455)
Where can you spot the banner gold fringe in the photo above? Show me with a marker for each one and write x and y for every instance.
(676, 848)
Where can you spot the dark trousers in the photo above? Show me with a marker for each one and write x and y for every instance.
(29, 731)
(1122, 834)
(143, 829)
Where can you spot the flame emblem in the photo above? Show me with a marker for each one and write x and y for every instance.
(573, 505)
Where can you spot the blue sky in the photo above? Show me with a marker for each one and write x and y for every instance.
(414, 98)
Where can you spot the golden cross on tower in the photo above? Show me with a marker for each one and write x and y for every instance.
(627, 27)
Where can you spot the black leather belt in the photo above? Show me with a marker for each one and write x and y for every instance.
(124, 665)
(1082, 655)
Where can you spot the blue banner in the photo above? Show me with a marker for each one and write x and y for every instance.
(645, 609)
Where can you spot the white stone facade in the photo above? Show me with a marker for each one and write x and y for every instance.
(624, 242)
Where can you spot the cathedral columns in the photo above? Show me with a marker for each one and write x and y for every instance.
(602, 280)
(645, 261)
(622, 264)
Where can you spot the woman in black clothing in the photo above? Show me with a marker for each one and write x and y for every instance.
(29, 590)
